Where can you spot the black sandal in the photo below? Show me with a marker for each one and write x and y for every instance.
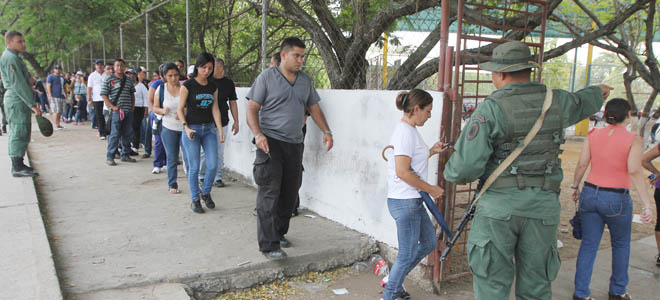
(625, 296)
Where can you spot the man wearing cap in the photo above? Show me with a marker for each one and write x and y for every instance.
(516, 219)
(94, 86)
(118, 93)
(56, 94)
(19, 100)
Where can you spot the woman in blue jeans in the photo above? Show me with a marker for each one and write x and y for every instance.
(614, 154)
(406, 176)
(171, 125)
(199, 113)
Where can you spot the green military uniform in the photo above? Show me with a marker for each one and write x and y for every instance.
(18, 99)
(3, 123)
(515, 225)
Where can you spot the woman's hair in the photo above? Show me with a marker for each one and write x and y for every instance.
(169, 66)
(616, 111)
(406, 101)
(202, 59)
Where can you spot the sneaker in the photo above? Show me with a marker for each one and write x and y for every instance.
(134, 149)
(403, 295)
(146, 155)
(156, 170)
(60, 127)
(219, 183)
(102, 138)
(110, 162)
(275, 254)
(196, 206)
(284, 243)
(128, 159)
(208, 201)
(133, 153)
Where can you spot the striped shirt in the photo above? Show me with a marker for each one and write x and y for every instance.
(111, 87)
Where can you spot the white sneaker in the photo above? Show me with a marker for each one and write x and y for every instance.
(102, 138)
(134, 149)
(156, 170)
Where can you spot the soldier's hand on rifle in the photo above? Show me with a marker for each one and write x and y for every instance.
(605, 90)
(436, 191)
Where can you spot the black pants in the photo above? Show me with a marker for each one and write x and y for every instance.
(100, 119)
(138, 115)
(656, 196)
(279, 177)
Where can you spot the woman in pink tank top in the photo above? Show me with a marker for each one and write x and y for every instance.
(614, 154)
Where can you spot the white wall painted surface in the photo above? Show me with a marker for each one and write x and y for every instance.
(349, 183)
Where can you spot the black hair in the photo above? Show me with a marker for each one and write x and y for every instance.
(291, 42)
(119, 60)
(278, 58)
(9, 35)
(181, 61)
(220, 60)
(406, 101)
(169, 66)
(616, 110)
(202, 59)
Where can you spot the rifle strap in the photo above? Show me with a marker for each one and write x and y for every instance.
(516, 152)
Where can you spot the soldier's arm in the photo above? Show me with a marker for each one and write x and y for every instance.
(20, 84)
(581, 104)
(473, 147)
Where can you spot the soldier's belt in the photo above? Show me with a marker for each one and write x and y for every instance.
(522, 182)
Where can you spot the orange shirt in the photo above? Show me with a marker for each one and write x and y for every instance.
(609, 156)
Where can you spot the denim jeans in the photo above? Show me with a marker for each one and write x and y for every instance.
(146, 136)
(92, 115)
(121, 131)
(221, 158)
(68, 111)
(172, 141)
(416, 236)
(82, 109)
(160, 157)
(598, 208)
(43, 100)
(206, 137)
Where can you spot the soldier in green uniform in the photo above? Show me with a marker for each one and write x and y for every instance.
(3, 122)
(515, 225)
(19, 100)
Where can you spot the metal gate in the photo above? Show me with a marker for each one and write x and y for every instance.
(480, 26)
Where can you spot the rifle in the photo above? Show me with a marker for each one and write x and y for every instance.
(462, 224)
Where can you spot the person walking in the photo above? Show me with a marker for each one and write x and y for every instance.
(517, 217)
(171, 125)
(119, 96)
(56, 94)
(160, 156)
(647, 163)
(277, 102)
(94, 86)
(200, 116)
(80, 95)
(41, 93)
(227, 102)
(407, 174)
(615, 157)
(141, 107)
(18, 101)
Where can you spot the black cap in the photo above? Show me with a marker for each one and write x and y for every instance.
(98, 61)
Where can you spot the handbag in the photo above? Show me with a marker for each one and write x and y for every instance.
(576, 222)
(157, 123)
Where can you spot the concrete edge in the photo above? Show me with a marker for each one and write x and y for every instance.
(49, 284)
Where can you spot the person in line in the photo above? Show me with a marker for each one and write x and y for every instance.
(56, 94)
(276, 108)
(140, 100)
(200, 116)
(517, 218)
(407, 174)
(119, 96)
(80, 95)
(227, 100)
(615, 157)
(108, 70)
(69, 99)
(94, 86)
(41, 94)
(19, 102)
(172, 126)
(654, 129)
(160, 157)
(182, 70)
(647, 163)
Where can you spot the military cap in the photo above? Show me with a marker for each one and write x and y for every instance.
(510, 57)
(45, 126)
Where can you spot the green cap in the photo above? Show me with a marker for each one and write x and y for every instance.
(45, 126)
(510, 57)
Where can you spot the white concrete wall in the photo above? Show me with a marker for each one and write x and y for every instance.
(349, 183)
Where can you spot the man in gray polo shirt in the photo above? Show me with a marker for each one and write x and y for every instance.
(276, 108)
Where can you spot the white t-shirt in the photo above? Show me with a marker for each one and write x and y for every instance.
(95, 81)
(141, 95)
(169, 120)
(407, 141)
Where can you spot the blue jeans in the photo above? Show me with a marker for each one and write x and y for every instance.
(121, 131)
(43, 100)
(598, 208)
(206, 137)
(145, 135)
(221, 158)
(172, 141)
(416, 236)
(81, 112)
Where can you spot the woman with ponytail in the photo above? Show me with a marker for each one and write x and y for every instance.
(615, 156)
(406, 176)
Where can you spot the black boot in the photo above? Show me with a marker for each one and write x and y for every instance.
(4, 128)
(25, 166)
(18, 169)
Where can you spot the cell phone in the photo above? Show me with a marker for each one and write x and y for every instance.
(192, 136)
(449, 145)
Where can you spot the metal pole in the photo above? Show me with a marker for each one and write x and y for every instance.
(574, 70)
(187, 35)
(103, 38)
(121, 42)
(146, 22)
(91, 57)
(264, 11)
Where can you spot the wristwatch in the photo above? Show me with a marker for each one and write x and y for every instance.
(327, 132)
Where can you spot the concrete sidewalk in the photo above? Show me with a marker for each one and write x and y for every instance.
(26, 265)
(117, 230)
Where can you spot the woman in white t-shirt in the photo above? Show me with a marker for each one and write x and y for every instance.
(172, 126)
(406, 176)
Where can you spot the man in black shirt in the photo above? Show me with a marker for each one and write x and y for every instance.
(227, 102)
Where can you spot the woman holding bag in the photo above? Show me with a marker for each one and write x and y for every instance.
(614, 154)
